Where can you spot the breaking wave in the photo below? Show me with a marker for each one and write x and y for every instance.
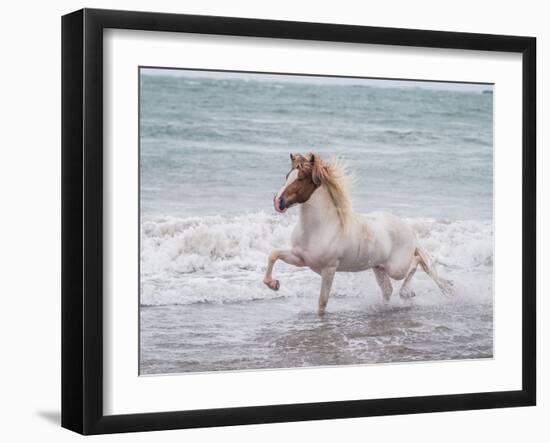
(221, 259)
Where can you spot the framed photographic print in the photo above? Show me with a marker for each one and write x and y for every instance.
(269, 221)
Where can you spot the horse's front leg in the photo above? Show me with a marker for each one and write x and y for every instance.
(288, 256)
(327, 276)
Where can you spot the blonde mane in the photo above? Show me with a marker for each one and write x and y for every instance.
(333, 176)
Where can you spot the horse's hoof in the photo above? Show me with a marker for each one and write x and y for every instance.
(273, 284)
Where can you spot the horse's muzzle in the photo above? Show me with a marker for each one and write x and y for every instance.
(279, 204)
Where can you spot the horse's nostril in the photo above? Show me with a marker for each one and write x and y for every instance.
(282, 203)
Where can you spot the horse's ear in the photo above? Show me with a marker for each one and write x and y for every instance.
(316, 169)
(291, 157)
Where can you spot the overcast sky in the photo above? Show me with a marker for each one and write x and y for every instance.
(383, 83)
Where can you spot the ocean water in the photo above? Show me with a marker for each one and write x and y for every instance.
(214, 151)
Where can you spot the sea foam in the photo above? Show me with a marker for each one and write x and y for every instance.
(221, 259)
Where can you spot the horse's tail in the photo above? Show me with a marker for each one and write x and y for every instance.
(446, 286)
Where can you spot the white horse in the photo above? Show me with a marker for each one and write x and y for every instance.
(330, 238)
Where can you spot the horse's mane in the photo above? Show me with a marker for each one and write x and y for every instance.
(332, 175)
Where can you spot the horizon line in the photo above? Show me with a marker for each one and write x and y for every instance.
(320, 79)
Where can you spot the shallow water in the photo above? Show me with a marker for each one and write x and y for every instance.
(283, 333)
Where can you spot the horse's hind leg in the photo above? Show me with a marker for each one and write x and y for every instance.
(404, 291)
(288, 256)
(383, 280)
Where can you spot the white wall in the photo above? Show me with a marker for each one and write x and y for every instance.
(30, 217)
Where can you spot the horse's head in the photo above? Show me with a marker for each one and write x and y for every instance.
(301, 181)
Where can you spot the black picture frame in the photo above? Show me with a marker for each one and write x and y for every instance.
(82, 220)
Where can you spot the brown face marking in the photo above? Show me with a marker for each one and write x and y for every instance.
(300, 190)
